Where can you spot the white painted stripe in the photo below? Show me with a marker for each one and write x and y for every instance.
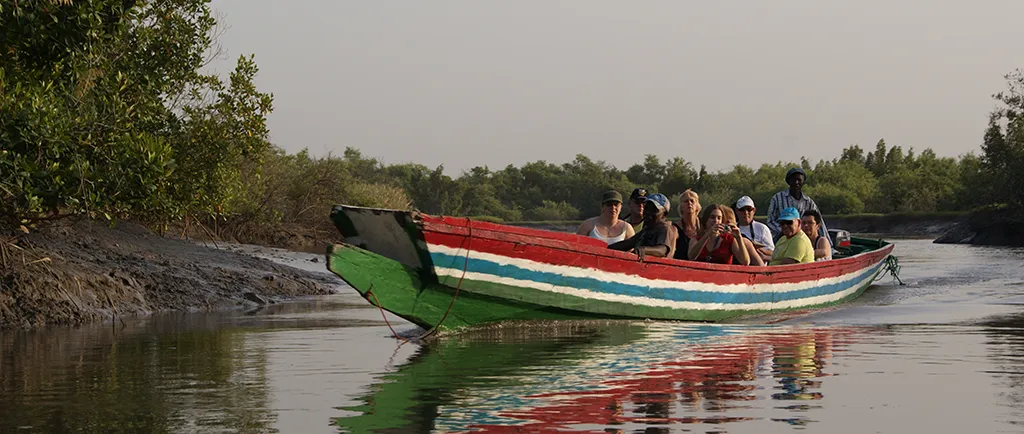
(655, 302)
(610, 277)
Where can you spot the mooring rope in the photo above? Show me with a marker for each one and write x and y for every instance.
(382, 314)
(465, 266)
(891, 267)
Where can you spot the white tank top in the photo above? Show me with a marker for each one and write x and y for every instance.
(607, 240)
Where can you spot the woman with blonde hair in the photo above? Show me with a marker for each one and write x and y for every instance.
(688, 225)
(718, 243)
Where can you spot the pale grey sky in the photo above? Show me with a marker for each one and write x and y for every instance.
(471, 82)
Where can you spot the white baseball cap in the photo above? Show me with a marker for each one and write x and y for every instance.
(744, 202)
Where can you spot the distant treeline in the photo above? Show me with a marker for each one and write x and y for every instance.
(105, 112)
(880, 181)
(883, 180)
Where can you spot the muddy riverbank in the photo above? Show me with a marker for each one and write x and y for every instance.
(991, 226)
(83, 271)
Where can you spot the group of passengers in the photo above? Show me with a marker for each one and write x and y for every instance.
(721, 234)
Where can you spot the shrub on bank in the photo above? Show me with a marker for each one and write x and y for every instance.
(553, 211)
(297, 192)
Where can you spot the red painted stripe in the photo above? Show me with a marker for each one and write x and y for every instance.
(556, 248)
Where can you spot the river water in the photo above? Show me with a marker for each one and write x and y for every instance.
(943, 353)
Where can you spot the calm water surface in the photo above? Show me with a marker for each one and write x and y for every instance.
(945, 353)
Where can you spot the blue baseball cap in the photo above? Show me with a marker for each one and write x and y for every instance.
(660, 201)
(788, 214)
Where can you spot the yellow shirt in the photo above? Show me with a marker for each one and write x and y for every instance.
(798, 248)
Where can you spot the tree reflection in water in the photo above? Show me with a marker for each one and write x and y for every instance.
(1005, 347)
(185, 379)
(623, 378)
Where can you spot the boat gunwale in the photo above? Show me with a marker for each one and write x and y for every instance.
(578, 244)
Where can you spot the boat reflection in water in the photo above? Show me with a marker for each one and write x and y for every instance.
(607, 376)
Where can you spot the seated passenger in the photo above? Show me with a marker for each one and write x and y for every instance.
(658, 237)
(793, 247)
(755, 259)
(635, 215)
(754, 230)
(810, 223)
(688, 226)
(719, 243)
(607, 227)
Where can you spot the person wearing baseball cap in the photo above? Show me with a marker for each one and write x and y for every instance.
(792, 197)
(793, 247)
(607, 227)
(758, 233)
(658, 237)
(635, 216)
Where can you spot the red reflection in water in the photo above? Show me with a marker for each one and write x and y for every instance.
(706, 378)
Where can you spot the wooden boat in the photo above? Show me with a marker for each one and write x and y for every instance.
(446, 273)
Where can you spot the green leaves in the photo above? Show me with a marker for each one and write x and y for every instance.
(100, 114)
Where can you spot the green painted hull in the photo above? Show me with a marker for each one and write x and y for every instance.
(409, 399)
(419, 298)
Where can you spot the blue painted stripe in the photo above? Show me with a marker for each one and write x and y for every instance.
(515, 272)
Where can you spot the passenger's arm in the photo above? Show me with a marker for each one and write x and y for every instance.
(788, 260)
(697, 244)
(625, 245)
(739, 250)
(585, 227)
(823, 249)
(659, 251)
(768, 242)
(664, 238)
(755, 256)
(629, 230)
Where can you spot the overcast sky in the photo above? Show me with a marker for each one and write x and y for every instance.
(471, 82)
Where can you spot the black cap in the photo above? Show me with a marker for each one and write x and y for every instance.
(638, 195)
(611, 196)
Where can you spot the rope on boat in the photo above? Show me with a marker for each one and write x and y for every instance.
(891, 267)
(465, 266)
(382, 314)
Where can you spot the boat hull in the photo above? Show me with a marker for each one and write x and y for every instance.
(405, 292)
(415, 263)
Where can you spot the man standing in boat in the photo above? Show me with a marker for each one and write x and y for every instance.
(793, 197)
(635, 216)
(658, 237)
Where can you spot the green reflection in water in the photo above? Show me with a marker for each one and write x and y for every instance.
(88, 381)
(620, 377)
